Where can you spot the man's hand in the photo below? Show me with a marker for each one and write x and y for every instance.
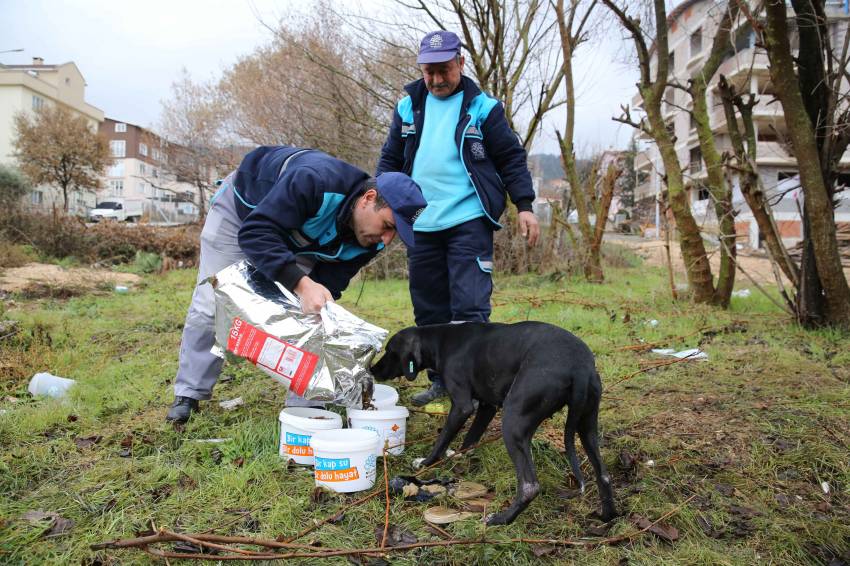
(313, 295)
(528, 227)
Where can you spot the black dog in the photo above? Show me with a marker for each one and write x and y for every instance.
(530, 369)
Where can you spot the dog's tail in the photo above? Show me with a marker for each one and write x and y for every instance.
(578, 398)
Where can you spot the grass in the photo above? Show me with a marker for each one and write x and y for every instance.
(751, 433)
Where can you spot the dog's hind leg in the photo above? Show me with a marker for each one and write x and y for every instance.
(458, 415)
(517, 433)
(588, 431)
(483, 417)
(570, 429)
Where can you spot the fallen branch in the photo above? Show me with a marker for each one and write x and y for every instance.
(651, 367)
(241, 554)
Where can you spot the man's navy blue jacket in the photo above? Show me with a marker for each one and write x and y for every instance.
(304, 211)
(489, 150)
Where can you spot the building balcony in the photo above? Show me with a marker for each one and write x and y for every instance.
(773, 153)
(642, 161)
(740, 67)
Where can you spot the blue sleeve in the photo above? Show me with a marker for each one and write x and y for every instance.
(509, 157)
(293, 199)
(392, 152)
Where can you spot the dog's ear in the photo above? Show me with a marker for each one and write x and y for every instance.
(412, 360)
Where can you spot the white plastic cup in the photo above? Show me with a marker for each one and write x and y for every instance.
(384, 396)
(390, 425)
(297, 425)
(50, 385)
(345, 459)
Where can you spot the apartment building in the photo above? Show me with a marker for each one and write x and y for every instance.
(140, 171)
(28, 88)
(692, 26)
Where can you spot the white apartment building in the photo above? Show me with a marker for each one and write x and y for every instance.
(692, 26)
(140, 171)
(27, 88)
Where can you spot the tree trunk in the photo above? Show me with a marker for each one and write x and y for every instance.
(721, 194)
(818, 211)
(603, 206)
(690, 240)
(747, 171)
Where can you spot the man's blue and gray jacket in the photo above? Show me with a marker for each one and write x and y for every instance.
(303, 211)
(489, 150)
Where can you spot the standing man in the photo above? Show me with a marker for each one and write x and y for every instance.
(303, 218)
(455, 142)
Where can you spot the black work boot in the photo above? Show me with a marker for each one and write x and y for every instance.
(434, 392)
(181, 409)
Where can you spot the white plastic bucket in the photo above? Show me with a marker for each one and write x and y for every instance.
(384, 396)
(345, 459)
(390, 424)
(50, 385)
(297, 425)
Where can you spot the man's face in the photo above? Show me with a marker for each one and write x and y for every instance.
(372, 226)
(441, 79)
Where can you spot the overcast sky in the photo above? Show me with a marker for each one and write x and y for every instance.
(130, 52)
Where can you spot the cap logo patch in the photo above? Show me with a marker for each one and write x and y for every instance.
(416, 215)
(436, 41)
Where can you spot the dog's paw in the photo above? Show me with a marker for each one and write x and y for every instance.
(496, 519)
(417, 463)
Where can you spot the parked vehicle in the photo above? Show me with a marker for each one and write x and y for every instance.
(117, 209)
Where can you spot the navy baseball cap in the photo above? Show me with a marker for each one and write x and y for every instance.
(405, 199)
(438, 47)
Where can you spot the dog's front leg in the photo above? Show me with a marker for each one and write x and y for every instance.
(458, 416)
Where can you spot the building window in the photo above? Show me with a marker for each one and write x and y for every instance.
(702, 192)
(116, 170)
(118, 148)
(142, 169)
(696, 43)
(671, 129)
(37, 102)
(696, 160)
(36, 197)
(671, 67)
(693, 122)
(116, 187)
(143, 149)
(157, 154)
(154, 173)
(120, 127)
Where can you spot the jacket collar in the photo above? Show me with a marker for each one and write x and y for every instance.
(418, 92)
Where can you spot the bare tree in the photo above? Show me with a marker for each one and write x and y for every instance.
(198, 149)
(809, 87)
(719, 189)
(309, 87)
(572, 29)
(58, 148)
(652, 88)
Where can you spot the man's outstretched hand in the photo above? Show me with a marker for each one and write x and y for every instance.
(528, 227)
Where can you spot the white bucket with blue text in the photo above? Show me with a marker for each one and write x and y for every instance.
(345, 459)
(390, 424)
(297, 425)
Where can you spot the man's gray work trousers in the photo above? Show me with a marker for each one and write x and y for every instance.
(199, 368)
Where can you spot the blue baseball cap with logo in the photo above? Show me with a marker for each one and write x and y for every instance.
(405, 199)
(438, 47)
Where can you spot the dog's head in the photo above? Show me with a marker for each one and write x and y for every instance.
(403, 357)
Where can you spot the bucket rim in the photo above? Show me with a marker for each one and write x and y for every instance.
(300, 417)
(345, 440)
(389, 413)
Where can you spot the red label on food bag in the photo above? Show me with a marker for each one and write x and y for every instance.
(263, 349)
